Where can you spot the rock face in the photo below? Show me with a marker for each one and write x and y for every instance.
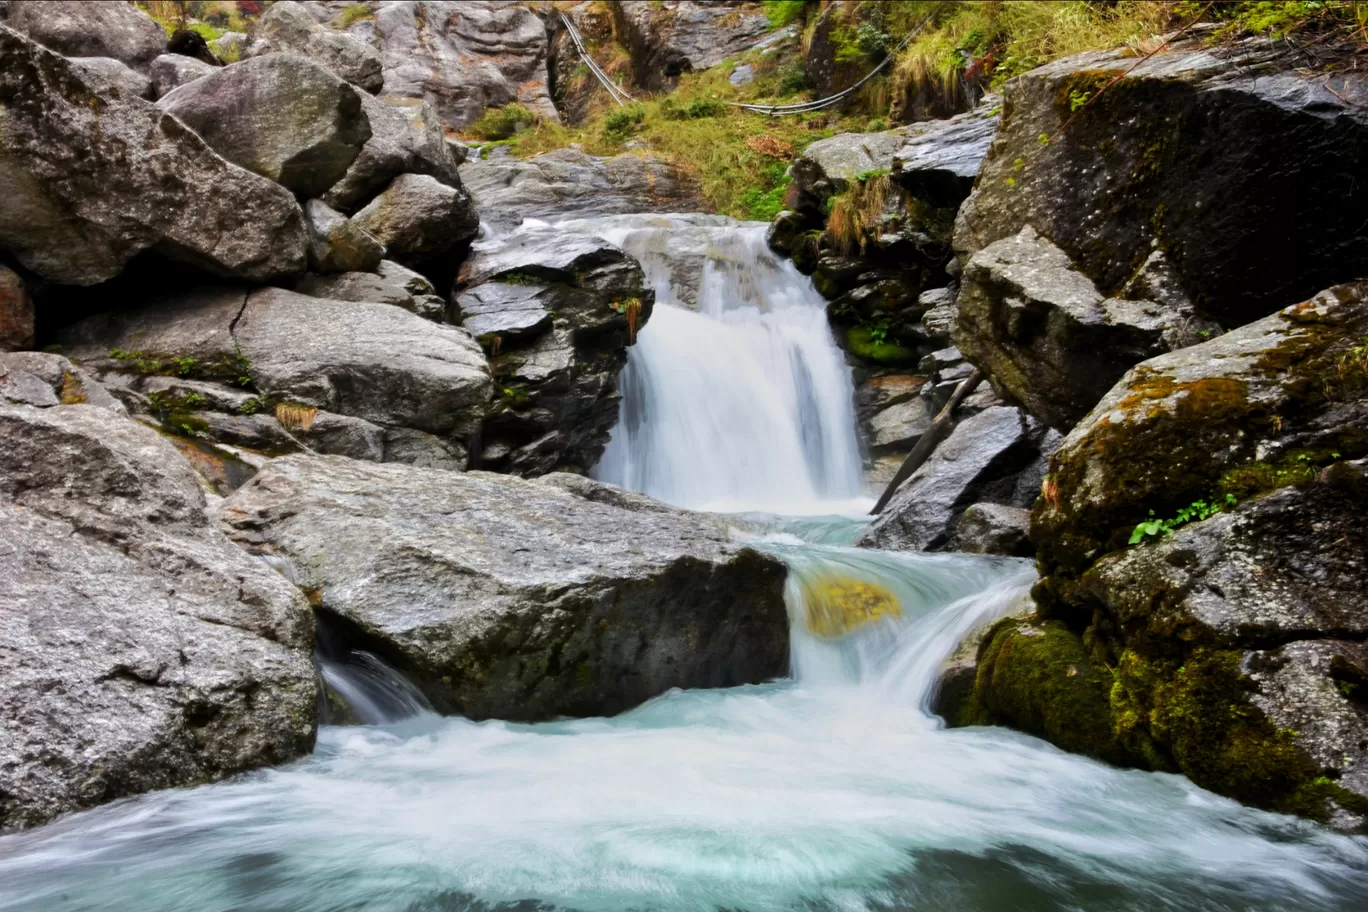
(336, 244)
(675, 37)
(161, 187)
(171, 71)
(390, 283)
(515, 599)
(418, 218)
(464, 56)
(108, 76)
(287, 28)
(570, 184)
(274, 363)
(406, 138)
(988, 528)
(280, 116)
(16, 312)
(1232, 647)
(79, 29)
(557, 311)
(1046, 336)
(1210, 159)
(142, 650)
(994, 456)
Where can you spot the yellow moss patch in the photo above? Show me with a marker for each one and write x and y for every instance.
(836, 605)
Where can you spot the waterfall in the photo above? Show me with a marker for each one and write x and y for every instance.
(735, 395)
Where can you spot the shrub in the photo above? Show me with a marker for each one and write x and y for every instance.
(784, 12)
(501, 123)
(621, 123)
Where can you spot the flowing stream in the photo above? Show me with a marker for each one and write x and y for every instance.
(834, 789)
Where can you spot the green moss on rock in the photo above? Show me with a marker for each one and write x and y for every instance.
(861, 343)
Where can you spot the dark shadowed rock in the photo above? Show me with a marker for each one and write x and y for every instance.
(16, 312)
(1209, 155)
(286, 28)
(160, 187)
(82, 29)
(418, 218)
(515, 599)
(568, 184)
(337, 244)
(667, 40)
(390, 283)
(109, 76)
(406, 138)
(560, 309)
(171, 71)
(142, 650)
(280, 116)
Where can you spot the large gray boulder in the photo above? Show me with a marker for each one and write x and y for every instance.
(142, 650)
(74, 28)
(514, 599)
(994, 457)
(171, 71)
(90, 181)
(418, 218)
(287, 28)
(568, 184)
(1048, 338)
(281, 116)
(558, 310)
(390, 283)
(464, 56)
(337, 244)
(111, 77)
(406, 138)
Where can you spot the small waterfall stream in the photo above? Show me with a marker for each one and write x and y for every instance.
(835, 790)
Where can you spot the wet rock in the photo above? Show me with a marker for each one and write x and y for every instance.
(115, 29)
(171, 71)
(939, 161)
(418, 218)
(898, 427)
(390, 283)
(464, 56)
(279, 115)
(669, 39)
(515, 599)
(570, 184)
(336, 244)
(109, 76)
(160, 186)
(142, 649)
(406, 138)
(557, 311)
(1229, 201)
(43, 379)
(287, 28)
(988, 528)
(1046, 336)
(982, 460)
(16, 312)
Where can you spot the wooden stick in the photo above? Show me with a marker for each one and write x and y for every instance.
(929, 440)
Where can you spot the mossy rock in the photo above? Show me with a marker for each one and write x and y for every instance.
(861, 343)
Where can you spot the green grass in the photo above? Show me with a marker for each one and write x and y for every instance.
(501, 123)
(785, 12)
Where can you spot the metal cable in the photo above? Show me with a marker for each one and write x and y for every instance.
(614, 90)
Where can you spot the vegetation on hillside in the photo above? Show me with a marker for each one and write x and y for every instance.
(210, 18)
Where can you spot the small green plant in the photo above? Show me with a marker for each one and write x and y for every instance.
(501, 123)
(784, 12)
(354, 13)
(1078, 99)
(251, 406)
(142, 362)
(182, 366)
(1196, 511)
(620, 124)
(520, 278)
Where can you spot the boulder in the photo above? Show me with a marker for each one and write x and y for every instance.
(406, 138)
(1230, 161)
(287, 28)
(568, 183)
(171, 71)
(43, 379)
(336, 244)
(294, 355)
(994, 456)
(110, 77)
(464, 56)
(418, 218)
(280, 116)
(989, 528)
(16, 312)
(160, 187)
(667, 40)
(522, 600)
(390, 283)
(229, 46)
(112, 29)
(557, 311)
(142, 650)
(1199, 532)
(1046, 336)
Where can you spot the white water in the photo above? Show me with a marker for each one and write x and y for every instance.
(835, 789)
(742, 402)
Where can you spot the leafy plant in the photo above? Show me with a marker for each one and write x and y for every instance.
(1077, 99)
(630, 308)
(621, 123)
(501, 123)
(182, 366)
(1196, 511)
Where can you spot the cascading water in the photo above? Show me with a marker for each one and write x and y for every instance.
(835, 789)
(735, 395)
